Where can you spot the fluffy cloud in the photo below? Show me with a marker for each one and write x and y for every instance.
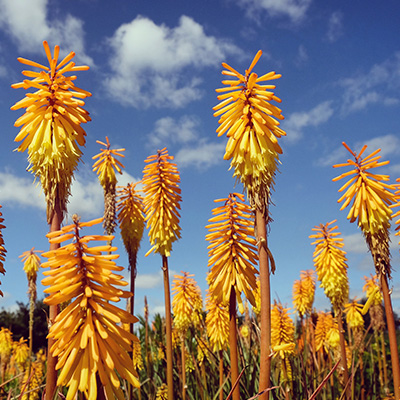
(355, 243)
(28, 24)
(150, 62)
(295, 124)
(202, 156)
(295, 10)
(169, 130)
(379, 85)
(86, 197)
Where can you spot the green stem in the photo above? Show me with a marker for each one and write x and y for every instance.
(233, 344)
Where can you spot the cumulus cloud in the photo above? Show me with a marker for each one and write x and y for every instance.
(28, 24)
(86, 197)
(335, 26)
(355, 243)
(297, 122)
(379, 85)
(203, 155)
(170, 130)
(295, 10)
(150, 62)
(149, 281)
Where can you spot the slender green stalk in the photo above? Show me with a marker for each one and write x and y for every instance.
(233, 344)
(343, 355)
(168, 324)
(265, 294)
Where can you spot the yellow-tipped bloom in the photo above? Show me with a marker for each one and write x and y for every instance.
(282, 330)
(51, 126)
(6, 343)
(21, 353)
(161, 201)
(303, 292)
(371, 197)
(326, 332)
(232, 250)
(187, 303)
(88, 335)
(354, 316)
(31, 263)
(250, 122)
(36, 380)
(3, 250)
(371, 288)
(107, 164)
(217, 323)
(131, 219)
(330, 264)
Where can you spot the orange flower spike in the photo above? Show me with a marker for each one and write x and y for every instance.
(330, 263)
(250, 123)
(371, 198)
(162, 201)
(107, 164)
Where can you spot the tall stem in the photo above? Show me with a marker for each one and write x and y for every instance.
(265, 294)
(51, 376)
(168, 323)
(394, 352)
(233, 344)
(183, 355)
(221, 375)
(343, 354)
(132, 265)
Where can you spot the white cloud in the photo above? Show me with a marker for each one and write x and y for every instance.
(202, 156)
(150, 62)
(295, 10)
(379, 85)
(149, 281)
(169, 130)
(302, 55)
(355, 243)
(28, 24)
(335, 26)
(295, 124)
(86, 197)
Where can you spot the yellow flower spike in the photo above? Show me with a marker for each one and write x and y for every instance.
(354, 314)
(330, 264)
(107, 164)
(251, 125)
(131, 219)
(372, 290)
(370, 196)
(87, 334)
(232, 250)
(187, 303)
(6, 343)
(21, 353)
(51, 126)
(3, 250)
(324, 328)
(217, 323)
(282, 330)
(303, 292)
(161, 201)
(31, 263)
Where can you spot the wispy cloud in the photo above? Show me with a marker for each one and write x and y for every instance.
(28, 24)
(355, 243)
(335, 26)
(149, 62)
(297, 122)
(379, 85)
(295, 10)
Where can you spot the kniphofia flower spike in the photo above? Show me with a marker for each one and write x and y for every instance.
(250, 122)
(51, 126)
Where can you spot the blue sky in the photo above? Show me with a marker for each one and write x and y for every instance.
(154, 68)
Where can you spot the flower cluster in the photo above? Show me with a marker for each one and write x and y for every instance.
(232, 250)
(250, 122)
(303, 292)
(87, 333)
(282, 330)
(51, 126)
(161, 201)
(330, 263)
(354, 316)
(187, 303)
